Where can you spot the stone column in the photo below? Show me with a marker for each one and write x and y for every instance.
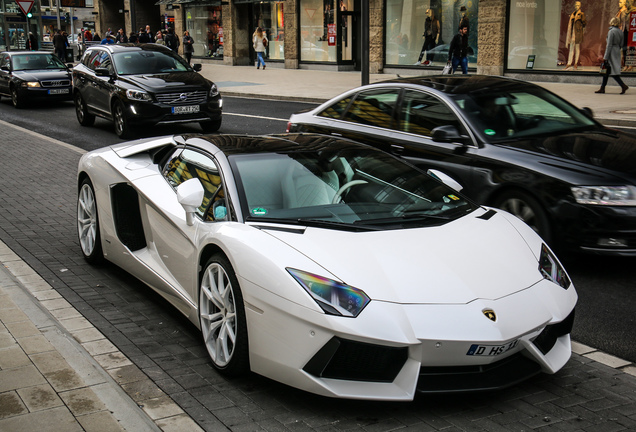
(491, 37)
(292, 29)
(376, 33)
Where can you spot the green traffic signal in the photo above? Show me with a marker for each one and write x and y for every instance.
(29, 15)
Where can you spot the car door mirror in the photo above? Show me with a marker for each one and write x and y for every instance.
(448, 134)
(197, 67)
(588, 112)
(446, 179)
(102, 72)
(190, 196)
(5, 68)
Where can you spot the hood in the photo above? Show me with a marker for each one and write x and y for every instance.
(179, 81)
(43, 75)
(607, 150)
(467, 259)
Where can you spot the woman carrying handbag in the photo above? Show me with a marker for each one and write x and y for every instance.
(259, 41)
(612, 57)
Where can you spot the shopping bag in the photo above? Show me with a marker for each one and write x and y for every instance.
(448, 69)
(605, 68)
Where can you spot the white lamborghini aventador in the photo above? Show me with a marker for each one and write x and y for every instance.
(328, 265)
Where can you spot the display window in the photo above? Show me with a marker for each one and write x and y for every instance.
(270, 17)
(318, 30)
(419, 32)
(564, 35)
(205, 25)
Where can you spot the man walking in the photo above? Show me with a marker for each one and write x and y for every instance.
(458, 52)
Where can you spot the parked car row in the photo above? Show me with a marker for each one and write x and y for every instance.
(132, 85)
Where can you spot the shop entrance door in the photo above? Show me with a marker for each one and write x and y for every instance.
(349, 38)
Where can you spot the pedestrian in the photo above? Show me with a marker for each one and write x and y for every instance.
(458, 51)
(159, 38)
(172, 41)
(108, 39)
(88, 36)
(133, 38)
(59, 45)
(259, 42)
(121, 36)
(33, 42)
(150, 36)
(143, 36)
(188, 46)
(612, 57)
(96, 36)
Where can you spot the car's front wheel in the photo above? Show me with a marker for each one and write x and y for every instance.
(526, 208)
(122, 124)
(81, 110)
(222, 317)
(88, 223)
(211, 126)
(18, 101)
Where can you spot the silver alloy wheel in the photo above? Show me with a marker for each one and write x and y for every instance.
(87, 219)
(522, 210)
(217, 311)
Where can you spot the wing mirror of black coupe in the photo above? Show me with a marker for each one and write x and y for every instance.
(196, 67)
(588, 112)
(104, 72)
(448, 134)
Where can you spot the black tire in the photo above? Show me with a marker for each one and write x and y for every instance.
(17, 100)
(211, 126)
(88, 231)
(222, 313)
(527, 208)
(81, 110)
(122, 124)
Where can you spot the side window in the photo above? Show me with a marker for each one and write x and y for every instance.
(188, 164)
(335, 111)
(93, 60)
(374, 108)
(421, 113)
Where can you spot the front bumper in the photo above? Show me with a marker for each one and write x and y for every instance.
(46, 93)
(147, 113)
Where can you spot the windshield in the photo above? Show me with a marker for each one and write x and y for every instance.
(502, 115)
(147, 63)
(36, 62)
(349, 187)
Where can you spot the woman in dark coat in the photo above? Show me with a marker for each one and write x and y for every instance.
(188, 46)
(612, 56)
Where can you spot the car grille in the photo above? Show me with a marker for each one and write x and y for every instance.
(56, 83)
(183, 98)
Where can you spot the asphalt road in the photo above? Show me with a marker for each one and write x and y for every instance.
(606, 285)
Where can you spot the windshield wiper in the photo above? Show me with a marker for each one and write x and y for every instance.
(315, 223)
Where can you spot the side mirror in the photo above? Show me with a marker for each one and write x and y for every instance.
(5, 68)
(446, 179)
(197, 67)
(190, 196)
(588, 112)
(103, 72)
(448, 134)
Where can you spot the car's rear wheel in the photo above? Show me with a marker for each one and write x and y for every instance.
(210, 126)
(88, 223)
(122, 124)
(526, 208)
(81, 110)
(222, 317)
(18, 101)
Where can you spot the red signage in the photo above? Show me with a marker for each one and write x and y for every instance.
(26, 5)
(630, 58)
(331, 34)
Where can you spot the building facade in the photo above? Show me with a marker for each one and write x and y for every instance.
(563, 39)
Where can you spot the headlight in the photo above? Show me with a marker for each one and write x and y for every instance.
(605, 195)
(138, 95)
(551, 269)
(214, 90)
(31, 84)
(333, 297)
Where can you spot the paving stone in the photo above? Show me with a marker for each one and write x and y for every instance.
(13, 357)
(15, 378)
(53, 420)
(11, 405)
(100, 422)
(41, 397)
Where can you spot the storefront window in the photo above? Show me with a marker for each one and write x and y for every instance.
(206, 28)
(406, 25)
(270, 17)
(559, 35)
(318, 30)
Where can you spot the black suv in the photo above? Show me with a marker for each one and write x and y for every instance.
(143, 85)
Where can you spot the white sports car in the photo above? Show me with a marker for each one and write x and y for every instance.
(328, 265)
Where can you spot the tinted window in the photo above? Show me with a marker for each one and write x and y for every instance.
(98, 59)
(188, 164)
(421, 113)
(148, 62)
(373, 108)
(336, 110)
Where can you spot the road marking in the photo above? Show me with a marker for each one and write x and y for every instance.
(255, 116)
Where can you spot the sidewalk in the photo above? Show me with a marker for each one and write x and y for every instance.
(318, 86)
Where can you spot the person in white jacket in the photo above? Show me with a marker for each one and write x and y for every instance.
(259, 41)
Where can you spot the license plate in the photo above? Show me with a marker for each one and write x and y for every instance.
(185, 109)
(59, 91)
(491, 350)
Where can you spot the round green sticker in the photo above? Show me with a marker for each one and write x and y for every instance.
(259, 211)
(490, 132)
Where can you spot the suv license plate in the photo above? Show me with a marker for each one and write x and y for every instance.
(185, 109)
(491, 350)
(59, 91)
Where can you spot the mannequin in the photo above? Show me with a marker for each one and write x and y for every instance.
(464, 22)
(574, 37)
(622, 15)
(431, 36)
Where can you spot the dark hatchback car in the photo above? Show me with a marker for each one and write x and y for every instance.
(509, 143)
(143, 85)
(27, 76)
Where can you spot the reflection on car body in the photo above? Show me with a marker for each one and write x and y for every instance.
(512, 144)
